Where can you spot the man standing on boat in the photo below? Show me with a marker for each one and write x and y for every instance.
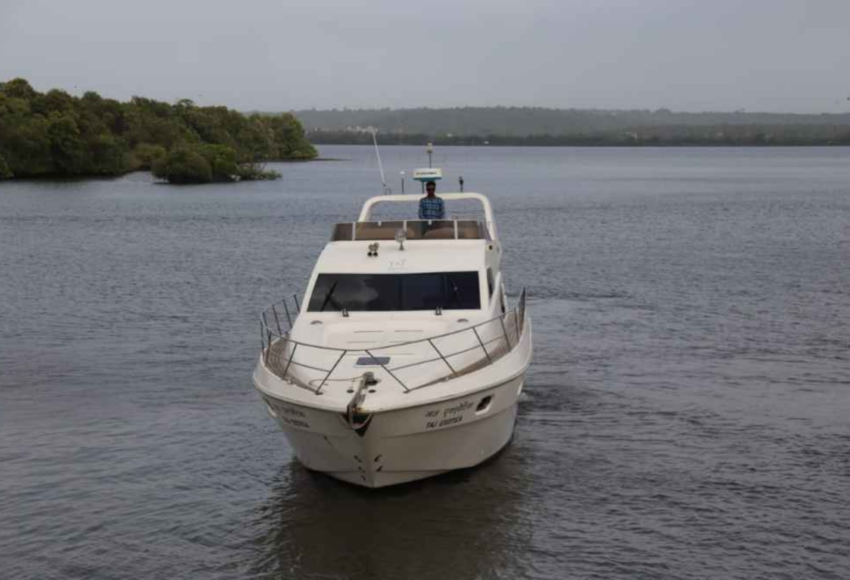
(431, 207)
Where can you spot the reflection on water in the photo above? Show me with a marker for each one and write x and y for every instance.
(458, 525)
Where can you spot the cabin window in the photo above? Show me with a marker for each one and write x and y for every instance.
(394, 292)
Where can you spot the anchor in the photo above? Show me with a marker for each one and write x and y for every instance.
(356, 419)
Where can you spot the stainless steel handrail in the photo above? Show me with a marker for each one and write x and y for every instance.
(340, 232)
(274, 344)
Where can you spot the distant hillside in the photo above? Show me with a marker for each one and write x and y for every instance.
(539, 126)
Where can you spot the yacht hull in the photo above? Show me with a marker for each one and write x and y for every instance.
(403, 444)
(404, 359)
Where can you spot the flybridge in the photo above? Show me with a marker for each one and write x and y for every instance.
(366, 212)
(365, 228)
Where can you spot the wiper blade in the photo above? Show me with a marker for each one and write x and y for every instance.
(329, 298)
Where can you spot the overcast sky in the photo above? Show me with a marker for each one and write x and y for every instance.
(686, 55)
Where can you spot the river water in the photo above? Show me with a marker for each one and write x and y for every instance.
(687, 414)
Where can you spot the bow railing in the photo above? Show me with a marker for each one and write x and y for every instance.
(411, 364)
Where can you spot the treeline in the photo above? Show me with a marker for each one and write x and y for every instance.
(57, 134)
(523, 121)
(723, 136)
(541, 126)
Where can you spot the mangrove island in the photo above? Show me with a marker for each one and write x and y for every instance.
(55, 134)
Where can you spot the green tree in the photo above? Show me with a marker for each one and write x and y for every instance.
(222, 162)
(256, 172)
(5, 172)
(19, 89)
(70, 153)
(55, 133)
(27, 148)
(183, 165)
(145, 155)
(55, 101)
(108, 154)
(288, 137)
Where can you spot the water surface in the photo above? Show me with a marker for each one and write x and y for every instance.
(686, 415)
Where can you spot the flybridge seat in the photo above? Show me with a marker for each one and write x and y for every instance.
(454, 229)
(413, 229)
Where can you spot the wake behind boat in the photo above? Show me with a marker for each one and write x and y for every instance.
(405, 359)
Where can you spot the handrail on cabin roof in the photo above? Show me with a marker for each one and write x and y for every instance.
(366, 212)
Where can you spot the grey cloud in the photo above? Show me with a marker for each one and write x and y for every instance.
(779, 55)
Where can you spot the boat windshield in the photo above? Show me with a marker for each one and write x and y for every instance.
(394, 292)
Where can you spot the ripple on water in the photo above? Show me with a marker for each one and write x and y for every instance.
(685, 415)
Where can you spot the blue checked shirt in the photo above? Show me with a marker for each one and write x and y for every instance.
(431, 208)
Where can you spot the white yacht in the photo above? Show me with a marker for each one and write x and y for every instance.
(404, 359)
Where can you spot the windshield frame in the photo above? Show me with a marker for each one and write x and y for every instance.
(461, 291)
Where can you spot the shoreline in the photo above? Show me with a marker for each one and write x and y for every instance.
(438, 143)
(90, 177)
(96, 177)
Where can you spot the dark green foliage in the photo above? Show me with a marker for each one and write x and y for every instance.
(109, 155)
(18, 89)
(55, 133)
(222, 160)
(256, 172)
(287, 136)
(69, 151)
(145, 155)
(183, 165)
(24, 139)
(5, 172)
(203, 163)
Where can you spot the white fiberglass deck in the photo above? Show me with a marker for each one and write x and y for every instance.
(409, 363)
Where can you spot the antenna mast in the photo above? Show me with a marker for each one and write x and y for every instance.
(387, 190)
